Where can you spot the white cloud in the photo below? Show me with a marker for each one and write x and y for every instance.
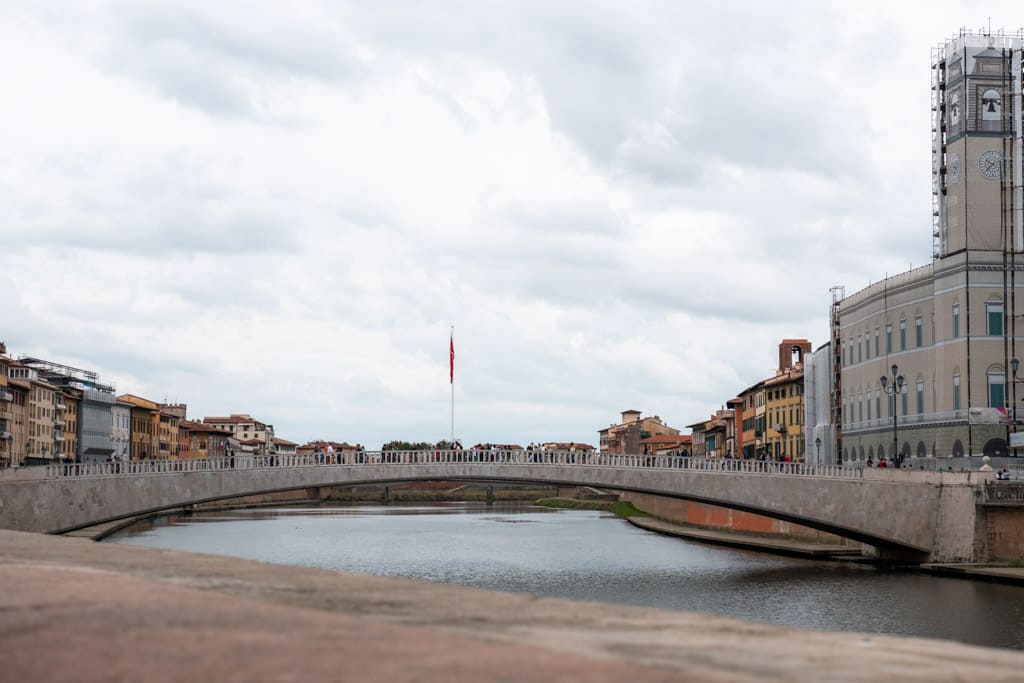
(280, 210)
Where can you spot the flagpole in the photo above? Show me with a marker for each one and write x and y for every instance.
(451, 365)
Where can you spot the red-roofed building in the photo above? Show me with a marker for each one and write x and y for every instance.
(245, 429)
(626, 437)
(665, 444)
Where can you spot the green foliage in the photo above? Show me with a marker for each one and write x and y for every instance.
(407, 446)
(622, 509)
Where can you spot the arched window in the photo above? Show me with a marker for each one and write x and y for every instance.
(954, 109)
(996, 387)
(991, 110)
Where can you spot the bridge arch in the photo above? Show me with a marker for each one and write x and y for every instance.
(855, 503)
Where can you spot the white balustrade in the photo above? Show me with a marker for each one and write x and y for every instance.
(482, 458)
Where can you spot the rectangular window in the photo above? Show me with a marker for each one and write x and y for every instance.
(996, 391)
(878, 403)
(869, 406)
(995, 319)
(860, 411)
(956, 392)
(919, 331)
(906, 403)
(860, 349)
(920, 397)
(876, 342)
(903, 335)
(888, 337)
(956, 320)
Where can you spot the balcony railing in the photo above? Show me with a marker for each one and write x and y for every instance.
(6, 395)
(58, 402)
(58, 436)
(4, 435)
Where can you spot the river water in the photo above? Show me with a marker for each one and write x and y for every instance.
(587, 555)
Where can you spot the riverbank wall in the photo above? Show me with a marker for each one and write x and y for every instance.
(712, 517)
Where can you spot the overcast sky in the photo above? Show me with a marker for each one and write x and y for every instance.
(280, 208)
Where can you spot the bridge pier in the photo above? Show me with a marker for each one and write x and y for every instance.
(385, 496)
(490, 494)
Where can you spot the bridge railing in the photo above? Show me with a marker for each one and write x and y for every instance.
(366, 459)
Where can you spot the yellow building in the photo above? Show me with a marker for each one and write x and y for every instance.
(145, 426)
(202, 440)
(72, 400)
(784, 403)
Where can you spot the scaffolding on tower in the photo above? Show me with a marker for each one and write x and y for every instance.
(838, 294)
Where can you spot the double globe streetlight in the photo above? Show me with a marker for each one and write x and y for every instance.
(893, 390)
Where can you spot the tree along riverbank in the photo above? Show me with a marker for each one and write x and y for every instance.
(622, 509)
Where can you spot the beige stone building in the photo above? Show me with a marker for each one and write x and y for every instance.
(627, 436)
(244, 428)
(43, 416)
(947, 328)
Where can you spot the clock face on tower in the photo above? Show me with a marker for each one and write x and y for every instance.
(954, 169)
(990, 164)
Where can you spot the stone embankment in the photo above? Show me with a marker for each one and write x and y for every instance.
(77, 610)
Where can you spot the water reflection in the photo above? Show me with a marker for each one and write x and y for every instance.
(586, 555)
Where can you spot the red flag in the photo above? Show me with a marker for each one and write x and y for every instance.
(451, 359)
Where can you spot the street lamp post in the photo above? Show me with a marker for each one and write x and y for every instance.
(817, 444)
(1015, 366)
(893, 390)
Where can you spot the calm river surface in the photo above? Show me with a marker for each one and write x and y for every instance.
(584, 555)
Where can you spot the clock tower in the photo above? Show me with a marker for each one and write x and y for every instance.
(976, 154)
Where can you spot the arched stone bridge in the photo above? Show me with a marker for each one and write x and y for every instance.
(912, 514)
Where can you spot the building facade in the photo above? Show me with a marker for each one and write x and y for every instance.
(258, 435)
(121, 430)
(943, 336)
(7, 448)
(72, 408)
(203, 440)
(750, 419)
(92, 437)
(819, 431)
(627, 436)
(145, 426)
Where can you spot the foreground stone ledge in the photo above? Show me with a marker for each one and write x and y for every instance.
(71, 609)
